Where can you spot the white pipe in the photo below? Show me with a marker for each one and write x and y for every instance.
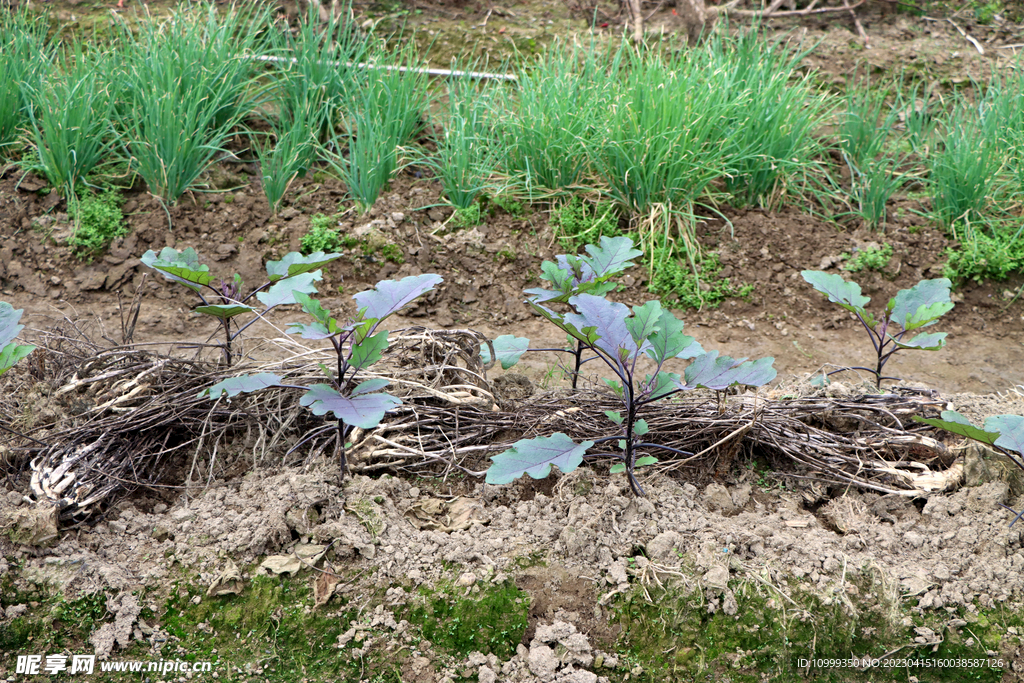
(481, 75)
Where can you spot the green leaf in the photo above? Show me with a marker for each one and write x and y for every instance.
(614, 415)
(839, 291)
(313, 307)
(1011, 431)
(645, 461)
(284, 292)
(956, 423)
(670, 342)
(508, 348)
(180, 266)
(614, 385)
(644, 321)
(535, 457)
(243, 384)
(622, 444)
(922, 304)
(369, 351)
(664, 383)
(295, 263)
(640, 427)
(12, 353)
(223, 311)
(617, 468)
(926, 341)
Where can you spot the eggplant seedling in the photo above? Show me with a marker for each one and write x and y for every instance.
(624, 340)
(569, 275)
(911, 309)
(1004, 433)
(357, 344)
(294, 274)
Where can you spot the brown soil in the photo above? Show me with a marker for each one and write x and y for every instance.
(487, 268)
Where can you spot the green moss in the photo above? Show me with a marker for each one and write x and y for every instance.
(271, 625)
(674, 638)
(492, 622)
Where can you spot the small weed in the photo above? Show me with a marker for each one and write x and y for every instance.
(510, 206)
(577, 223)
(508, 254)
(673, 278)
(393, 253)
(468, 217)
(323, 235)
(99, 221)
(871, 258)
(986, 12)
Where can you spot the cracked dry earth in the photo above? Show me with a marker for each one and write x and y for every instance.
(575, 545)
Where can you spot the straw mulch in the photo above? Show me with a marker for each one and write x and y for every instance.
(98, 420)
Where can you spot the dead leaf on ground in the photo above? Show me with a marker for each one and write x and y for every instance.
(281, 564)
(433, 514)
(323, 586)
(229, 582)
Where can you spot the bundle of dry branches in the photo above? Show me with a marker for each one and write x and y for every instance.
(127, 416)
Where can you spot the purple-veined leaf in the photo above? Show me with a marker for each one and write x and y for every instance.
(10, 354)
(389, 296)
(660, 385)
(931, 295)
(535, 457)
(668, 341)
(9, 327)
(370, 386)
(717, 373)
(1011, 432)
(608, 320)
(364, 411)
(283, 292)
(508, 348)
(180, 266)
(644, 321)
(295, 263)
(614, 255)
(956, 423)
(314, 330)
(839, 291)
(223, 311)
(926, 341)
(368, 351)
(243, 384)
